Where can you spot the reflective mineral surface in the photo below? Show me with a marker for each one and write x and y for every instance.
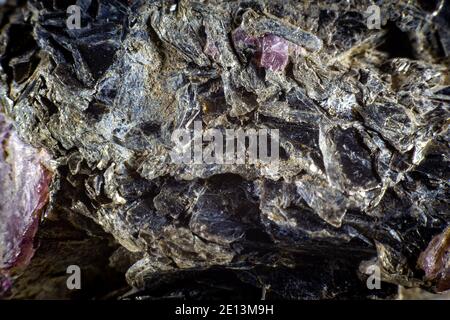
(351, 200)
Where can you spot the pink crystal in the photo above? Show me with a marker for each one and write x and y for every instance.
(274, 52)
(5, 285)
(241, 38)
(24, 192)
(271, 51)
(435, 260)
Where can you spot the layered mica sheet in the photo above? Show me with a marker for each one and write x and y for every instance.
(364, 149)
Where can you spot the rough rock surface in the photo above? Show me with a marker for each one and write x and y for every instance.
(364, 146)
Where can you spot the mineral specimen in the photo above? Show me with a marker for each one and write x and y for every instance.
(435, 260)
(362, 180)
(24, 191)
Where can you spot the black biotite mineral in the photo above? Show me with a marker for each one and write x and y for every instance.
(349, 99)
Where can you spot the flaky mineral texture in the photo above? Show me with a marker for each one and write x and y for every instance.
(86, 175)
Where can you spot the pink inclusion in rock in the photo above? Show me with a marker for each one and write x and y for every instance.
(5, 285)
(242, 39)
(435, 260)
(211, 49)
(24, 192)
(274, 52)
(271, 51)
